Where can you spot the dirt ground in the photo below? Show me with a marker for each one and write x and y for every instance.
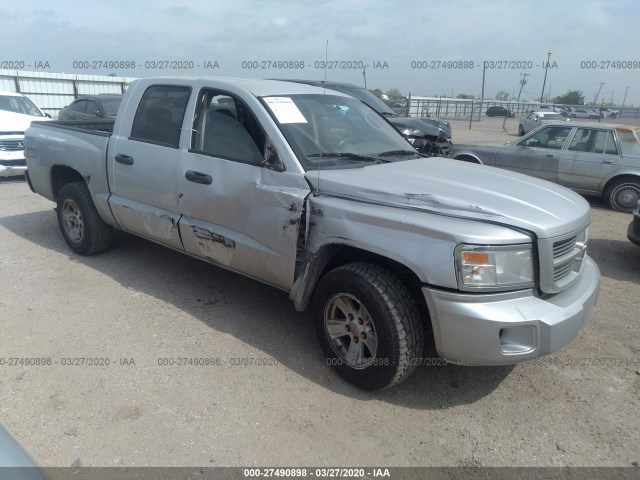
(140, 306)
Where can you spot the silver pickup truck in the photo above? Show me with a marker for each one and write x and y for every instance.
(316, 194)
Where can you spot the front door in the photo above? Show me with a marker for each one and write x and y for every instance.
(236, 212)
(537, 155)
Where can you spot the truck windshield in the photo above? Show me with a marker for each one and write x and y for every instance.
(23, 105)
(328, 131)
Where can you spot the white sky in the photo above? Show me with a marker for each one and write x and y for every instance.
(61, 32)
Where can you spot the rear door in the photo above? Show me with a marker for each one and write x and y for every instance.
(592, 154)
(238, 212)
(536, 155)
(145, 166)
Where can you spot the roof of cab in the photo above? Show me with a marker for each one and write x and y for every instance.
(258, 87)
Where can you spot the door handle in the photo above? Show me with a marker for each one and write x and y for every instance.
(607, 161)
(124, 159)
(550, 155)
(198, 177)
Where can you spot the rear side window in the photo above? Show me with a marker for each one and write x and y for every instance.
(79, 106)
(594, 141)
(160, 114)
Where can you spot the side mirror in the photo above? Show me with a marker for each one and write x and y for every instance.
(271, 159)
(98, 113)
(47, 115)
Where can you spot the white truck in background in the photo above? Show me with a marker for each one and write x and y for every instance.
(16, 114)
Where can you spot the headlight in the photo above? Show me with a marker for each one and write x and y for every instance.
(412, 132)
(494, 268)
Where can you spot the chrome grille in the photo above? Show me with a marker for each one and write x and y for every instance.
(561, 271)
(563, 247)
(561, 260)
(11, 145)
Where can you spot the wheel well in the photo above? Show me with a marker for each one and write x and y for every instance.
(344, 254)
(619, 177)
(61, 175)
(467, 158)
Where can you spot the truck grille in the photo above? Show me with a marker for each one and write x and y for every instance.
(11, 145)
(561, 260)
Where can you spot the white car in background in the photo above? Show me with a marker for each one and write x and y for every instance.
(582, 113)
(534, 119)
(16, 114)
(608, 113)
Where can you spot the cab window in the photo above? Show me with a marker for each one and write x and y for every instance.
(225, 127)
(160, 114)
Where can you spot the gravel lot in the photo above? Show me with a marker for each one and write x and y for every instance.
(141, 303)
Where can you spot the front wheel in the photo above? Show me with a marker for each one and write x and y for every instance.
(623, 194)
(81, 225)
(368, 325)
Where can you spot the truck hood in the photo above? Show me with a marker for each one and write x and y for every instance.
(17, 122)
(460, 189)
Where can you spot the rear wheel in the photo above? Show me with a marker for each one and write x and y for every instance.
(368, 325)
(623, 194)
(520, 130)
(81, 226)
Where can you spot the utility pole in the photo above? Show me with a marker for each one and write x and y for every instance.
(595, 100)
(611, 98)
(544, 82)
(484, 69)
(625, 95)
(364, 74)
(522, 83)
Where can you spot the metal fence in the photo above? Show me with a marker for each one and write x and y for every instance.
(458, 108)
(52, 91)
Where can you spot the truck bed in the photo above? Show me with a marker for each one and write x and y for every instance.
(99, 127)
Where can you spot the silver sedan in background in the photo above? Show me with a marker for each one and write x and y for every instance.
(590, 158)
(534, 119)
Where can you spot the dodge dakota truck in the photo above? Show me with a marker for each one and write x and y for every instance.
(315, 193)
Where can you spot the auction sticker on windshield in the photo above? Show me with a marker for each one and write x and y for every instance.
(285, 110)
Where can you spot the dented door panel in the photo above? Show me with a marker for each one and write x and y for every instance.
(247, 219)
(145, 193)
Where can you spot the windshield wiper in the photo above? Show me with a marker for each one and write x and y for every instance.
(347, 155)
(398, 153)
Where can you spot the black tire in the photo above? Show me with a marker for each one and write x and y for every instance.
(81, 226)
(623, 194)
(388, 330)
(520, 130)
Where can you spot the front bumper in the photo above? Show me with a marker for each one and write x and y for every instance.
(506, 328)
(12, 163)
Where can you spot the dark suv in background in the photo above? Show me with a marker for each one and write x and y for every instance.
(431, 136)
(497, 111)
(102, 106)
